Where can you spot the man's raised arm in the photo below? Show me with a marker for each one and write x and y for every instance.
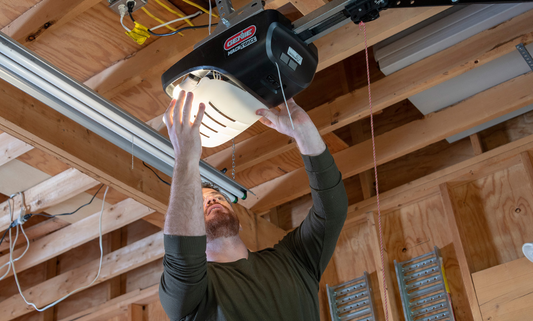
(313, 242)
(184, 280)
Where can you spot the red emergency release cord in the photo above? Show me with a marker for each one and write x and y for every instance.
(362, 27)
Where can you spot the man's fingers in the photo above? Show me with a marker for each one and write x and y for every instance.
(186, 110)
(167, 117)
(176, 114)
(199, 117)
(268, 114)
(267, 122)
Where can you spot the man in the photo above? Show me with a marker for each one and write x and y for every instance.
(209, 274)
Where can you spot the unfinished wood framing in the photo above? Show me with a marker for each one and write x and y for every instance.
(474, 206)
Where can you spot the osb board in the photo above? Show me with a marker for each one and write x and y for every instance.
(505, 292)
(496, 213)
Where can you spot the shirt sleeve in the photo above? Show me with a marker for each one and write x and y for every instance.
(184, 280)
(314, 241)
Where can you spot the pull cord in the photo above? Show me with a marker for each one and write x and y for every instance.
(362, 27)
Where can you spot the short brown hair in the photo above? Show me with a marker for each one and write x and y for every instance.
(216, 188)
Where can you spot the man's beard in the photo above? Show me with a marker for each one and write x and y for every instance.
(222, 224)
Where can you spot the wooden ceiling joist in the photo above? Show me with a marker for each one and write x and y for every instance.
(445, 65)
(37, 231)
(490, 104)
(117, 306)
(42, 127)
(120, 261)
(479, 166)
(53, 191)
(78, 233)
(45, 16)
(11, 148)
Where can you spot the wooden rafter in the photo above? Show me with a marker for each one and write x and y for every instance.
(11, 148)
(445, 65)
(120, 261)
(490, 104)
(45, 16)
(78, 233)
(53, 191)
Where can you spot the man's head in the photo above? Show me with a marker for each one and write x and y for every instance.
(220, 219)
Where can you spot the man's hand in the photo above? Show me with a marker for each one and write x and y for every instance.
(304, 133)
(184, 134)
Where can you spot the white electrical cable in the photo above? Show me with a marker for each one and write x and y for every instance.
(283, 93)
(13, 243)
(75, 291)
(122, 23)
(122, 9)
(176, 20)
(210, 15)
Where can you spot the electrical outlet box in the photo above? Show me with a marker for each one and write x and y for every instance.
(114, 4)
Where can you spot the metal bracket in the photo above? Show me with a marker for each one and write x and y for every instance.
(352, 300)
(527, 56)
(229, 17)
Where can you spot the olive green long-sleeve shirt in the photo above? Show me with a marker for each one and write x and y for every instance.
(275, 284)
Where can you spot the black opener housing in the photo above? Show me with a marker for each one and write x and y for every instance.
(250, 61)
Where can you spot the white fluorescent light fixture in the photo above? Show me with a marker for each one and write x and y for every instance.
(43, 81)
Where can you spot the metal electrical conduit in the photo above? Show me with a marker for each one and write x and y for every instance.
(38, 78)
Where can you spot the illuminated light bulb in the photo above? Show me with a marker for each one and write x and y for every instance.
(229, 109)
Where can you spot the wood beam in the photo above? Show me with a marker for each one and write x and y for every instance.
(135, 312)
(477, 167)
(11, 148)
(37, 231)
(490, 104)
(45, 16)
(78, 233)
(476, 144)
(447, 64)
(307, 6)
(57, 135)
(53, 191)
(387, 291)
(464, 259)
(118, 305)
(123, 260)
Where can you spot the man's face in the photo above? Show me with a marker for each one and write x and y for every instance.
(220, 219)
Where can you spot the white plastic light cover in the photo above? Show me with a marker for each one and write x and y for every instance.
(229, 110)
(528, 251)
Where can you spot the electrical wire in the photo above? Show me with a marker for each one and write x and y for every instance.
(13, 243)
(75, 291)
(200, 7)
(210, 15)
(179, 30)
(130, 8)
(162, 180)
(155, 18)
(122, 23)
(179, 14)
(79, 208)
(176, 20)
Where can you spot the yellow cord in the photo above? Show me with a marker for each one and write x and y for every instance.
(174, 12)
(200, 7)
(158, 20)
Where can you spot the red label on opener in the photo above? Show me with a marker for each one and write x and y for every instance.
(239, 37)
